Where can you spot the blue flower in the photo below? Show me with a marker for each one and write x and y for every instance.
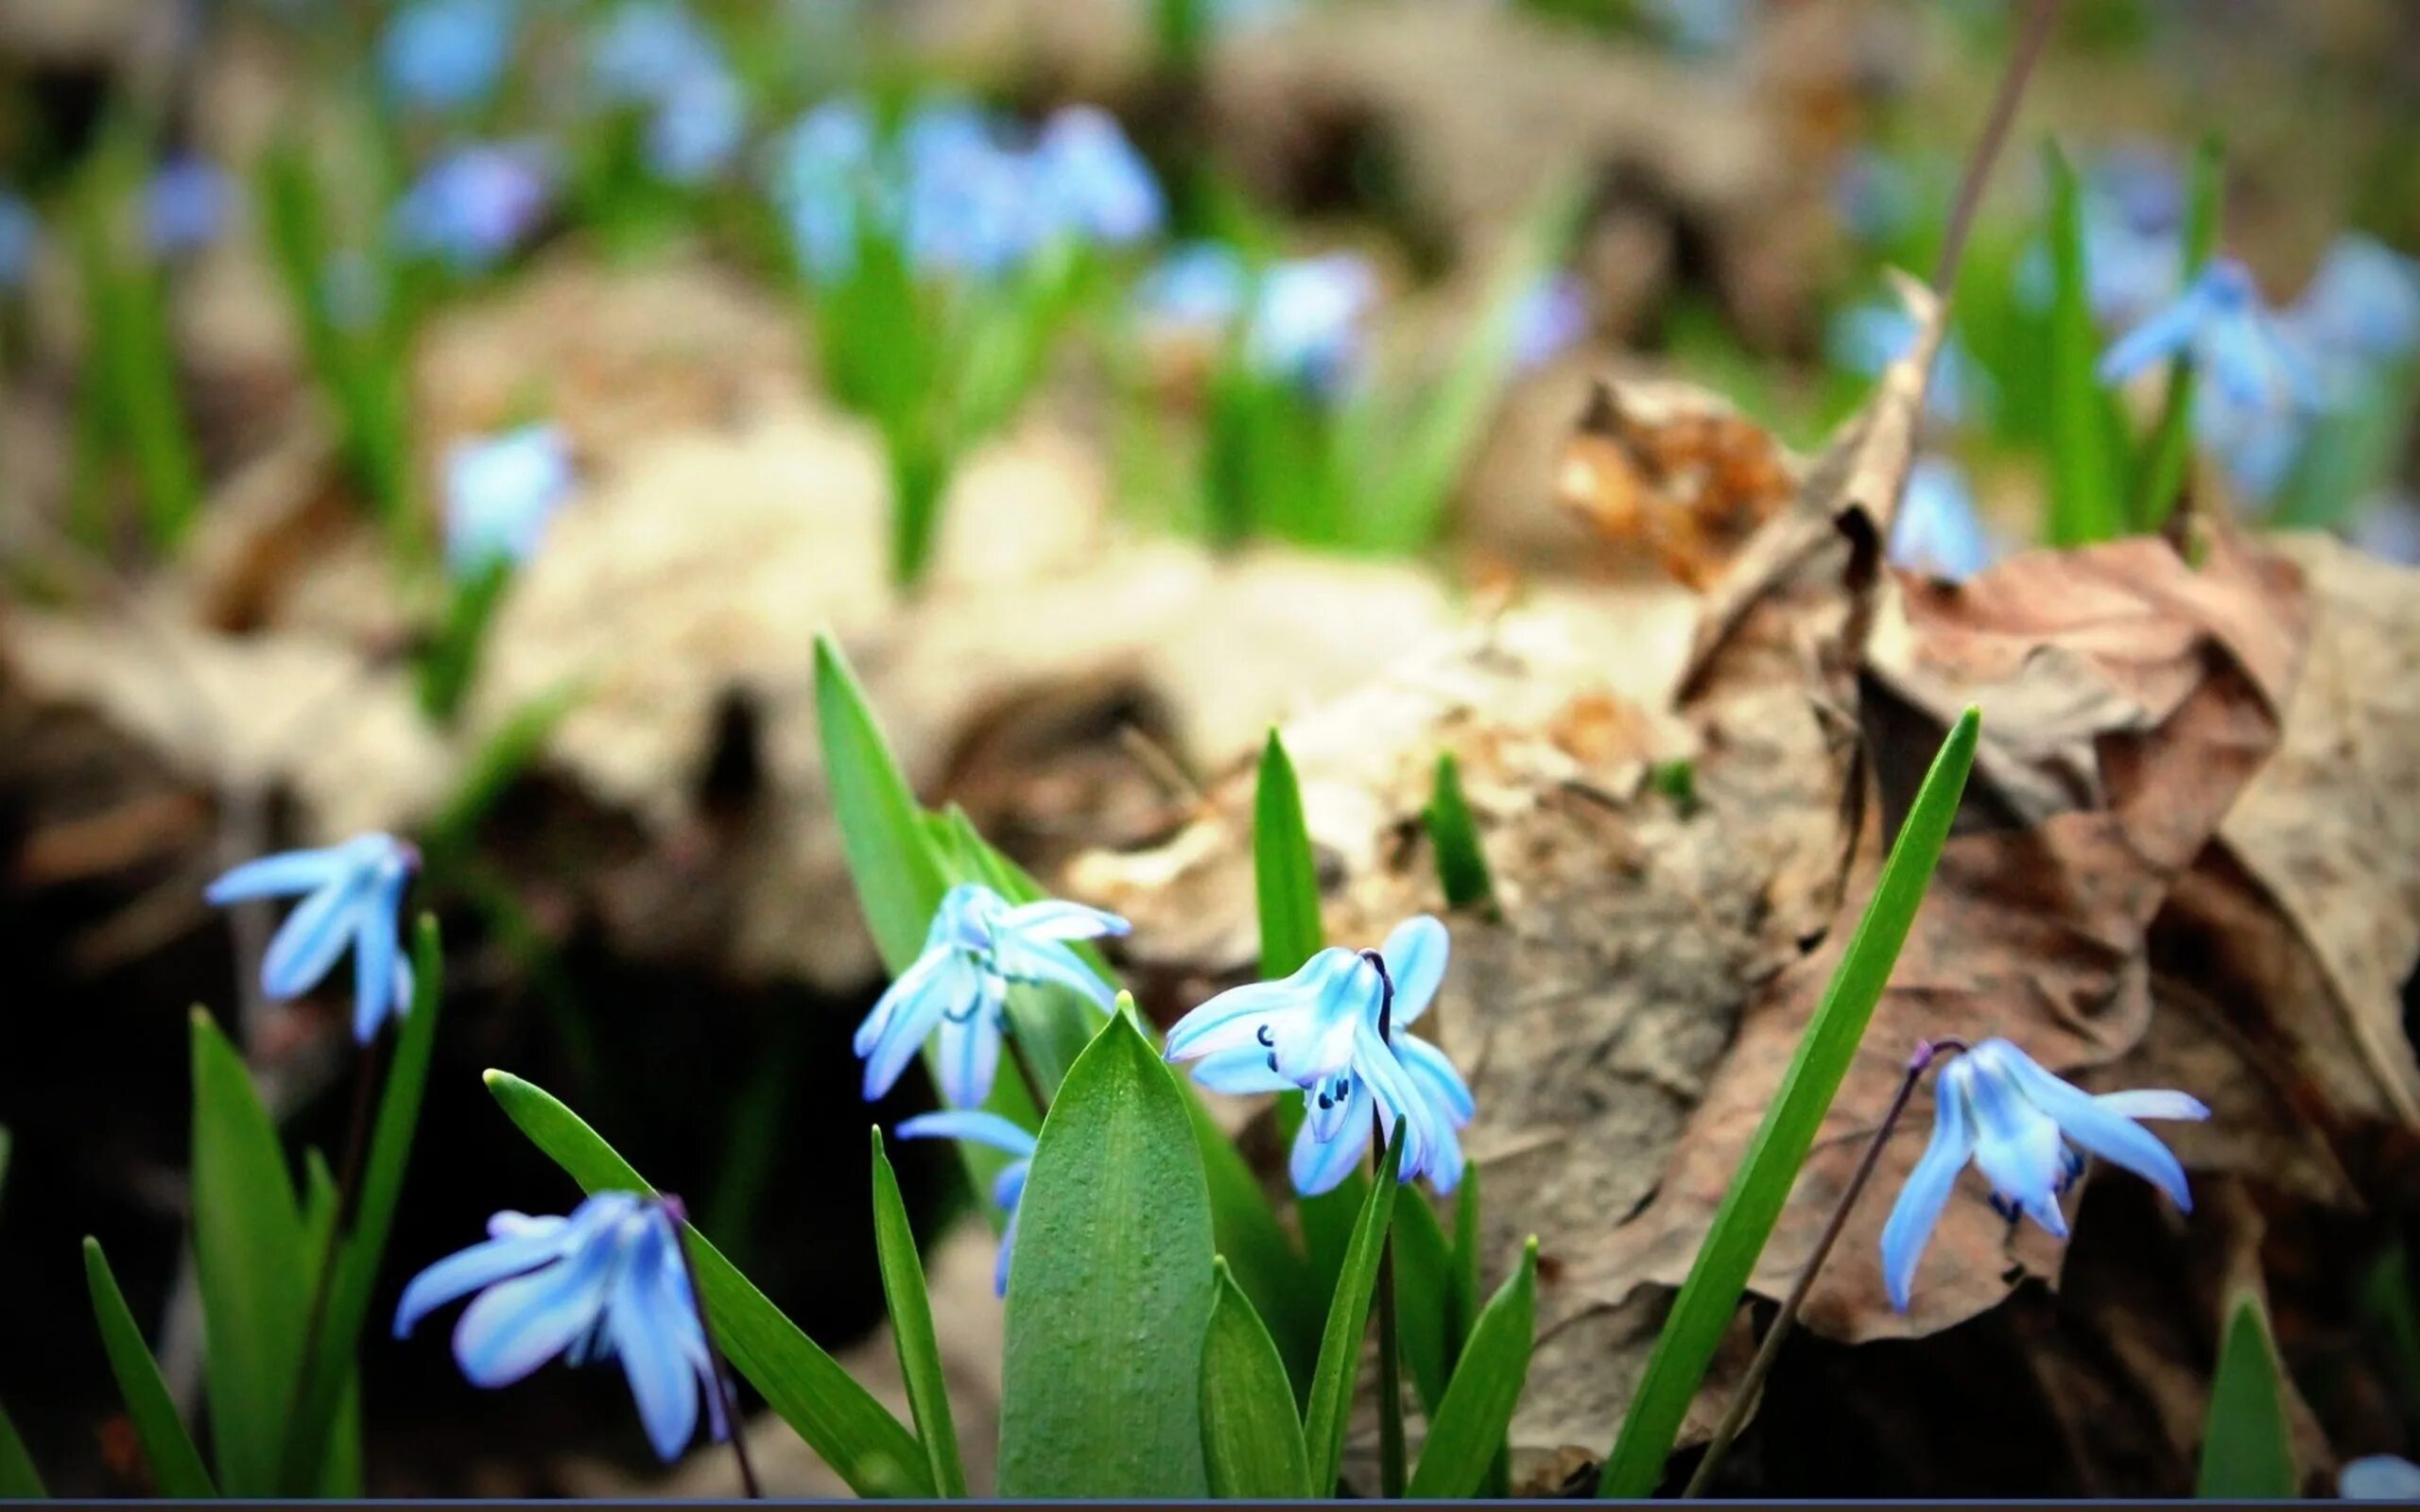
(2364, 303)
(1869, 337)
(1098, 186)
(2133, 212)
(443, 54)
(1198, 286)
(2232, 337)
(184, 206)
(1319, 1031)
(352, 895)
(822, 172)
(2257, 444)
(1552, 315)
(969, 205)
(985, 1128)
(608, 1281)
(978, 944)
(1995, 1105)
(1937, 530)
(648, 48)
(20, 230)
(1305, 324)
(476, 205)
(2379, 1478)
(500, 492)
(698, 126)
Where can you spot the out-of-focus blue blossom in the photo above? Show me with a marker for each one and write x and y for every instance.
(473, 207)
(607, 1281)
(2388, 530)
(978, 944)
(969, 205)
(1098, 184)
(1701, 27)
(1198, 286)
(821, 173)
(2379, 1478)
(646, 48)
(1937, 530)
(697, 128)
(500, 492)
(185, 207)
(1550, 317)
(446, 54)
(2131, 207)
(20, 232)
(1877, 197)
(2257, 444)
(1995, 1107)
(2363, 303)
(1319, 1030)
(1305, 322)
(352, 896)
(1867, 339)
(998, 1132)
(2234, 340)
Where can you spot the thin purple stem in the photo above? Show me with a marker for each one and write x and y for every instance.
(724, 1396)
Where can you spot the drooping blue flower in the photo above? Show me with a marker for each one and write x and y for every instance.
(1099, 187)
(2363, 303)
(646, 48)
(1867, 339)
(823, 178)
(608, 1281)
(20, 230)
(1306, 321)
(2015, 1121)
(998, 1132)
(978, 944)
(500, 492)
(473, 206)
(352, 895)
(1319, 1031)
(969, 204)
(1937, 530)
(697, 127)
(2234, 340)
(1552, 315)
(446, 54)
(185, 207)
(1200, 287)
(2379, 1478)
(2258, 445)
(2132, 210)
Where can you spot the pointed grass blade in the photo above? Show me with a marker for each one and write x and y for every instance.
(911, 1329)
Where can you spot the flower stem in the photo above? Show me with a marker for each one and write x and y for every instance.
(1736, 1416)
(724, 1396)
(357, 1147)
(1391, 1455)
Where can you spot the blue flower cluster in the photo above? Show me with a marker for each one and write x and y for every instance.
(1301, 318)
(444, 55)
(962, 192)
(500, 492)
(476, 205)
(654, 55)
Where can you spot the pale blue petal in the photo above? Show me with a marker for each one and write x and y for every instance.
(1445, 1161)
(1439, 1084)
(1397, 1096)
(646, 1323)
(308, 943)
(2100, 1130)
(2161, 336)
(970, 1044)
(1319, 1040)
(1053, 919)
(2146, 1103)
(969, 1123)
(1233, 1019)
(1917, 1211)
(964, 919)
(1008, 1188)
(277, 876)
(467, 1270)
(2379, 1478)
(1240, 1072)
(1023, 960)
(909, 987)
(374, 956)
(1325, 1105)
(1320, 1165)
(1415, 957)
(2016, 1145)
(1007, 1246)
(953, 986)
(518, 1325)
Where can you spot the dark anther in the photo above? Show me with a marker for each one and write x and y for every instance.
(1266, 1035)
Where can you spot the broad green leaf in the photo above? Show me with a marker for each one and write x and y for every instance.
(898, 877)
(866, 1447)
(1718, 1277)
(1252, 1442)
(176, 1465)
(1252, 1243)
(911, 1329)
(320, 1389)
(248, 1250)
(2172, 445)
(1286, 876)
(19, 1480)
(1466, 1431)
(2086, 502)
(1110, 1289)
(1348, 1320)
(2247, 1452)
(1461, 865)
(1425, 1284)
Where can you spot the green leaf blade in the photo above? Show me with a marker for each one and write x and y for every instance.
(911, 1329)
(1348, 1320)
(839, 1419)
(882, 831)
(1252, 1443)
(2086, 502)
(20, 1480)
(1286, 874)
(1110, 1291)
(176, 1465)
(1753, 1203)
(1461, 865)
(2247, 1450)
(1467, 1430)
